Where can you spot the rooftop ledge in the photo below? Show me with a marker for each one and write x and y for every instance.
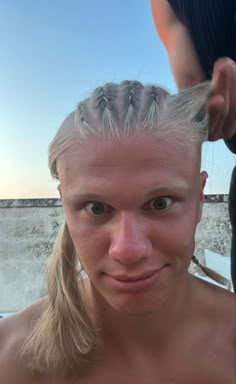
(28, 203)
(46, 203)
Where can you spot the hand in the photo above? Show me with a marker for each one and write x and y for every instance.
(222, 101)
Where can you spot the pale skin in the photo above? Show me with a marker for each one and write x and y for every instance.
(171, 328)
(187, 71)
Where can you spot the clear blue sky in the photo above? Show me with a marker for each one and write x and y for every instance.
(53, 53)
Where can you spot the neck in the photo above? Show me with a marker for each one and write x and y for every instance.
(151, 331)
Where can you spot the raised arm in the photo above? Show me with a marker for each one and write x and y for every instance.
(187, 71)
(183, 60)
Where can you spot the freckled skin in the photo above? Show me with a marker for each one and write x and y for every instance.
(132, 208)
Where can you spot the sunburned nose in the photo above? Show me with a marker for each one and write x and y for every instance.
(129, 240)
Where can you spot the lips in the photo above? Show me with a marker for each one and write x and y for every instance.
(125, 283)
(128, 278)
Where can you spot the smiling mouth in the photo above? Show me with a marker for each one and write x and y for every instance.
(132, 279)
(135, 284)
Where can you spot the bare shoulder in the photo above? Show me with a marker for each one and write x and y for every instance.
(217, 301)
(18, 326)
(218, 307)
(215, 315)
(223, 308)
(14, 331)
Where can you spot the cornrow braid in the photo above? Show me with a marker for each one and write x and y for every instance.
(104, 109)
(130, 100)
(82, 121)
(80, 109)
(151, 112)
(102, 101)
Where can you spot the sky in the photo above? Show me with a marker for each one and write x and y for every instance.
(53, 54)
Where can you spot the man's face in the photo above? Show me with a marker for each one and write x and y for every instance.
(132, 208)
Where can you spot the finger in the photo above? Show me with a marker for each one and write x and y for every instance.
(220, 78)
(231, 119)
(220, 98)
(217, 115)
(229, 128)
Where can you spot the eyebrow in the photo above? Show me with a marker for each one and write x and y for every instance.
(169, 189)
(83, 196)
(163, 190)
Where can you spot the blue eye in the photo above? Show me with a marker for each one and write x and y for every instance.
(160, 203)
(97, 208)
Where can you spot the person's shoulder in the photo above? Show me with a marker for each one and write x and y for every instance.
(225, 297)
(19, 324)
(215, 311)
(212, 292)
(223, 325)
(14, 330)
(225, 305)
(219, 305)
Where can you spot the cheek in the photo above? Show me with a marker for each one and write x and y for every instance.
(90, 244)
(176, 236)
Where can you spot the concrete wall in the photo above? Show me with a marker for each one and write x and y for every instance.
(28, 229)
(214, 230)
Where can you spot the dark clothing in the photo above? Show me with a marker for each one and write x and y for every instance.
(212, 28)
(232, 215)
(231, 144)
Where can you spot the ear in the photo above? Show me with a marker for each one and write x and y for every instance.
(203, 179)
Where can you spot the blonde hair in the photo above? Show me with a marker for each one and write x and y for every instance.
(65, 339)
(130, 108)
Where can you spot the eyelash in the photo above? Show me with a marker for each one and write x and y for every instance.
(159, 198)
(146, 206)
(109, 209)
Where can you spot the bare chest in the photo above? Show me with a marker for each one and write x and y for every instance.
(211, 362)
(190, 370)
(184, 369)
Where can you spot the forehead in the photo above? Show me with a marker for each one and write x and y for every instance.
(134, 159)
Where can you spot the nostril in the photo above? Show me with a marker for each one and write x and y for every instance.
(128, 252)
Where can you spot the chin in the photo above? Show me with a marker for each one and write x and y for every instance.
(134, 301)
(139, 305)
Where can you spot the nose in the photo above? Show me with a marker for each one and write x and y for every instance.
(129, 240)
